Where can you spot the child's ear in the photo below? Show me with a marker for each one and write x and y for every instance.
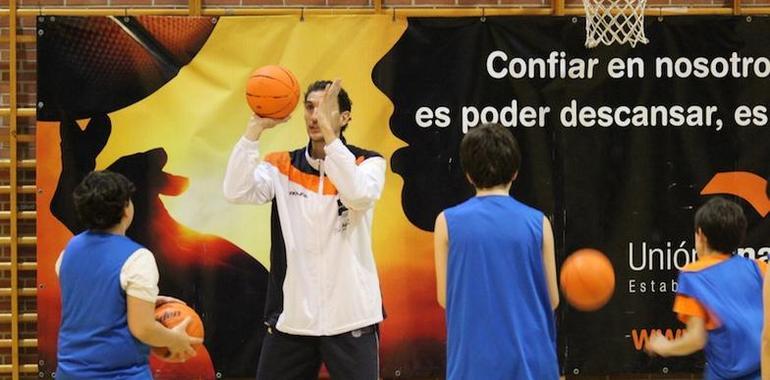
(701, 236)
(515, 175)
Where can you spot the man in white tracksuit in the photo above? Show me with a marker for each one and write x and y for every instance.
(323, 302)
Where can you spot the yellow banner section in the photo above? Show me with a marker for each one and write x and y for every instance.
(200, 114)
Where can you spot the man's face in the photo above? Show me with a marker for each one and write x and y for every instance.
(311, 117)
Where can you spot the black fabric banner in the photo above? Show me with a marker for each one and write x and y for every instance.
(620, 146)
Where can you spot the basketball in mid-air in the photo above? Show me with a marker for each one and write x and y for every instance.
(272, 92)
(587, 279)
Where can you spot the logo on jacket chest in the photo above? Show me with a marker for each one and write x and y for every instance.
(294, 193)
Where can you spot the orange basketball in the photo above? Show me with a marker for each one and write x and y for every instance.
(171, 314)
(272, 92)
(587, 279)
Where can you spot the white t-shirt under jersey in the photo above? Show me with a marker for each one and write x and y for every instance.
(138, 276)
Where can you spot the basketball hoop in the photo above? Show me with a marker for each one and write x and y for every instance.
(614, 21)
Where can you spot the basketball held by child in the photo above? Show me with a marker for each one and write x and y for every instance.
(272, 92)
(587, 279)
(171, 314)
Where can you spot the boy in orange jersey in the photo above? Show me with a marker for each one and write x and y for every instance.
(719, 298)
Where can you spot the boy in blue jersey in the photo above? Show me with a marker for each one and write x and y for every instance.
(109, 289)
(496, 271)
(719, 298)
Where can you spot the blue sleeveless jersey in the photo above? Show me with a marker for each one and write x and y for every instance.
(94, 340)
(731, 291)
(500, 324)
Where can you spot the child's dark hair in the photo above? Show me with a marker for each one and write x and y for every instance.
(490, 156)
(100, 199)
(723, 223)
(343, 98)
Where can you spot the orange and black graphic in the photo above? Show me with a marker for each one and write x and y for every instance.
(745, 185)
(161, 100)
(91, 66)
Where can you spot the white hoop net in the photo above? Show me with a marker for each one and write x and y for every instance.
(614, 21)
